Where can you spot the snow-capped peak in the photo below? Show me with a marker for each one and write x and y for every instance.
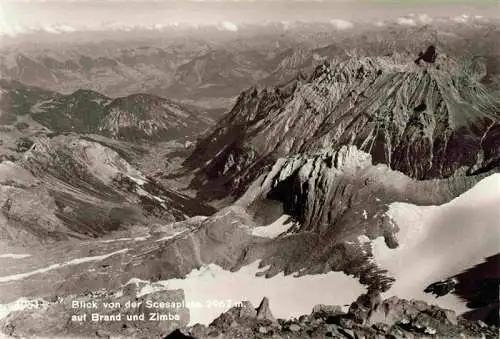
(406, 21)
(425, 18)
(461, 18)
(229, 26)
(341, 24)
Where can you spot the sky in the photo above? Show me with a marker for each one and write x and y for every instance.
(67, 15)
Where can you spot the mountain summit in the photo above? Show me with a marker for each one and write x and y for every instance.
(424, 122)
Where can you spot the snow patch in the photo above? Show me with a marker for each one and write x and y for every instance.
(213, 283)
(94, 258)
(124, 239)
(77, 261)
(437, 242)
(136, 281)
(464, 18)
(341, 24)
(168, 237)
(363, 239)
(273, 230)
(229, 26)
(144, 193)
(14, 256)
(425, 18)
(139, 181)
(406, 21)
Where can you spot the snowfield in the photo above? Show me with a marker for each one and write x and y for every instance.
(437, 242)
(14, 256)
(123, 239)
(286, 293)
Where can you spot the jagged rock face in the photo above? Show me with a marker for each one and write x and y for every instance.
(224, 155)
(428, 56)
(135, 117)
(291, 62)
(339, 198)
(68, 186)
(264, 312)
(177, 334)
(320, 189)
(426, 123)
(226, 239)
(368, 317)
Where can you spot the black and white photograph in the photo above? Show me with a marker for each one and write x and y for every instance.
(240, 169)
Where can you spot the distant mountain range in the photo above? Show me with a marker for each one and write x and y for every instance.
(231, 27)
(135, 117)
(211, 66)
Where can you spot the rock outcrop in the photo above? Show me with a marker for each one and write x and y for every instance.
(264, 311)
(428, 56)
(369, 317)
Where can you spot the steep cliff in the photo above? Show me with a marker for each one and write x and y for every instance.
(422, 121)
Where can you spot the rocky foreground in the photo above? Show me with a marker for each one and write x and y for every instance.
(368, 317)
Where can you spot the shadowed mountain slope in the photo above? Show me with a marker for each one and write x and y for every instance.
(135, 117)
(422, 121)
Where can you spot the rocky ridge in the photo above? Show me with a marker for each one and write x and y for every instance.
(138, 117)
(339, 199)
(270, 53)
(368, 317)
(405, 116)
